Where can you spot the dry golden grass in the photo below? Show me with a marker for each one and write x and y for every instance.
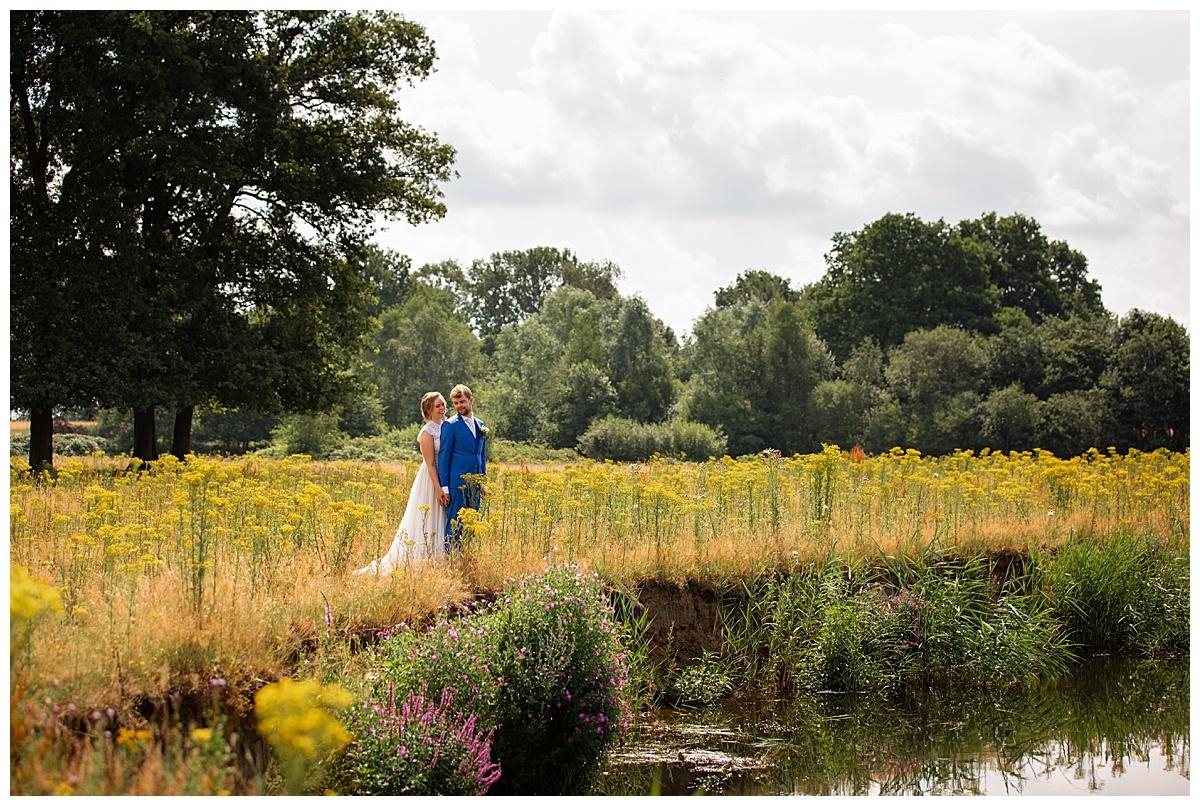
(223, 568)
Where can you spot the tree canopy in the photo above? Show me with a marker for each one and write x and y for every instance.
(211, 177)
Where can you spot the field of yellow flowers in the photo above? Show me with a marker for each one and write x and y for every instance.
(130, 584)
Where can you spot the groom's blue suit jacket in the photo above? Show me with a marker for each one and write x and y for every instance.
(461, 452)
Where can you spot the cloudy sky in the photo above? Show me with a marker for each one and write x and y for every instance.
(690, 146)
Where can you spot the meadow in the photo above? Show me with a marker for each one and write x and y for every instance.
(140, 587)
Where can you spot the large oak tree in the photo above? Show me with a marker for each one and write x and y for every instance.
(191, 194)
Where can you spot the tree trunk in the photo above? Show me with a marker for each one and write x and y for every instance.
(181, 439)
(41, 439)
(145, 444)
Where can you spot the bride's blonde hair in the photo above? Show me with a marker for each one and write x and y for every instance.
(427, 401)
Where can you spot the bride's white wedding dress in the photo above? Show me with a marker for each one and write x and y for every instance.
(422, 530)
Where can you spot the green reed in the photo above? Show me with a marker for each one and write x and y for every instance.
(1128, 592)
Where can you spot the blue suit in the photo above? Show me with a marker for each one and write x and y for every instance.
(461, 452)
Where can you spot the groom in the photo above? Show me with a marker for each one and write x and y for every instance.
(463, 452)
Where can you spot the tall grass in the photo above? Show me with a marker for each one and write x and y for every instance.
(238, 569)
(1126, 592)
(852, 628)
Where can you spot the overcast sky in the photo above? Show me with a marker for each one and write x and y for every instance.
(688, 147)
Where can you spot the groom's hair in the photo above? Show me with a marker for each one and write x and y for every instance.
(462, 390)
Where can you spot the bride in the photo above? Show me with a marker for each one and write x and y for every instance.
(422, 529)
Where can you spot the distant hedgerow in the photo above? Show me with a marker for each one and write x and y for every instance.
(625, 440)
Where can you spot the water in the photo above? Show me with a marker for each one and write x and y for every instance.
(1111, 726)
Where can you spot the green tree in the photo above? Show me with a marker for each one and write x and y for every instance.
(794, 363)
(899, 274)
(723, 363)
(509, 287)
(838, 411)
(752, 368)
(758, 285)
(938, 378)
(421, 346)
(580, 394)
(641, 370)
(1010, 419)
(1076, 420)
(1031, 273)
(1148, 379)
(1076, 350)
(1015, 353)
(390, 277)
(214, 174)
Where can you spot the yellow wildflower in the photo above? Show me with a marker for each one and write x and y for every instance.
(295, 717)
(28, 597)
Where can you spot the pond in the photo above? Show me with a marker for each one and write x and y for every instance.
(1111, 726)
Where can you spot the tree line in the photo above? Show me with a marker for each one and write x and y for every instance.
(193, 202)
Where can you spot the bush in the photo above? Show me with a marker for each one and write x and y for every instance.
(420, 746)
(702, 682)
(624, 440)
(562, 702)
(696, 441)
(64, 444)
(542, 667)
(231, 431)
(312, 434)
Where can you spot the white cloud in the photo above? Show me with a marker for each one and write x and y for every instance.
(702, 145)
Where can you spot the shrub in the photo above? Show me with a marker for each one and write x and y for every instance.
(702, 682)
(562, 699)
(942, 624)
(542, 667)
(311, 434)
(64, 444)
(420, 746)
(625, 440)
(696, 441)
(451, 656)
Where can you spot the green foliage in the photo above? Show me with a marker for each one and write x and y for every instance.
(422, 345)
(624, 440)
(702, 682)
(312, 434)
(1010, 419)
(562, 703)
(222, 228)
(753, 368)
(581, 394)
(755, 285)
(509, 287)
(937, 376)
(1129, 593)
(232, 431)
(64, 444)
(936, 624)
(543, 668)
(418, 746)
(641, 369)
(899, 274)
(1148, 377)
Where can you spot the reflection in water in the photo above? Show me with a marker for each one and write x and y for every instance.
(1112, 726)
